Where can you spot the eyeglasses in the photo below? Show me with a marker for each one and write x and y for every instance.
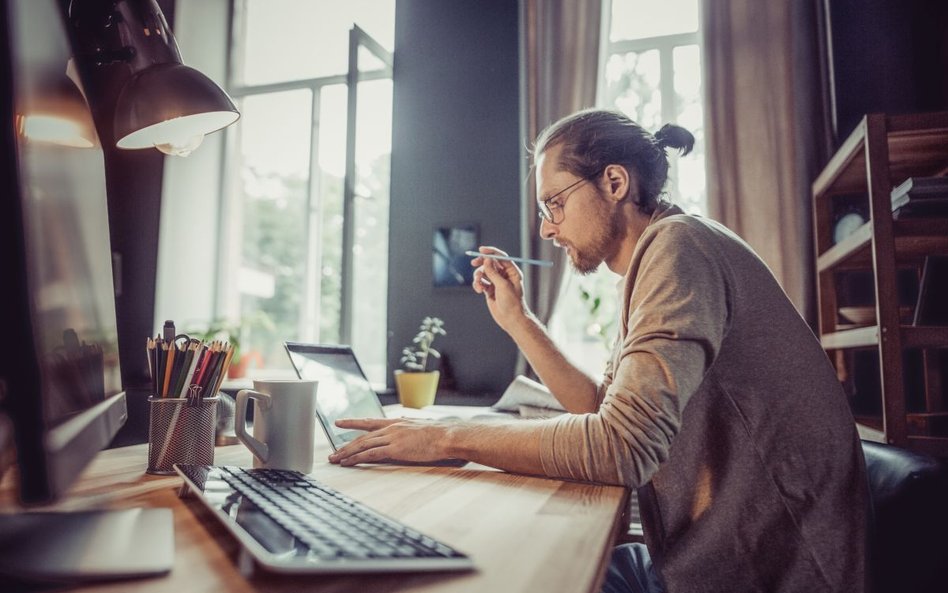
(549, 211)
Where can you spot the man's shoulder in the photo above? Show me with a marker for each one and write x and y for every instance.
(690, 226)
(696, 240)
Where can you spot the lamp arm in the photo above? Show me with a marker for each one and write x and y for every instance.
(104, 57)
(134, 32)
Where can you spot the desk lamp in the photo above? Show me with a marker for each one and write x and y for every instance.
(163, 103)
(55, 111)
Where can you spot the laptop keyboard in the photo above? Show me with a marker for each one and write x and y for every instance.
(327, 526)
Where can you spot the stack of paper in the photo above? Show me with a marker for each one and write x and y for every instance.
(529, 399)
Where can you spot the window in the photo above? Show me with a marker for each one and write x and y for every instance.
(306, 176)
(651, 71)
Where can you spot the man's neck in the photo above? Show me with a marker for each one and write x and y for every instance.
(619, 263)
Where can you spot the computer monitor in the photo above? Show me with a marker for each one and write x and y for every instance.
(60, 374)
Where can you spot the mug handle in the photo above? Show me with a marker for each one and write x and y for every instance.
(259, 449)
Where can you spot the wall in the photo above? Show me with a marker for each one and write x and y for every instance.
(455, 159)
(889, 56)
(190, 203)
(133, 185)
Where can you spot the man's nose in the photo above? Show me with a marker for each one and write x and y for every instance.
(547, 229)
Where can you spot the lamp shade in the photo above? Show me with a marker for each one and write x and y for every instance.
(53, 110)
(162, 103)
(170, 106)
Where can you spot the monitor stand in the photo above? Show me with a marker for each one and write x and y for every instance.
(86, 545)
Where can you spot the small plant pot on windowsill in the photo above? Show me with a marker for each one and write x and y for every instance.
(416, 389)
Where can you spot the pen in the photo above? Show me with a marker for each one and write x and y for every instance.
(522, 260)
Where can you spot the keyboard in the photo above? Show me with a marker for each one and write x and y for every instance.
(290, 522)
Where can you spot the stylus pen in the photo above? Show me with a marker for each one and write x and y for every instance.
(522, 260)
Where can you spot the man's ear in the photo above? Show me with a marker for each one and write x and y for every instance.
(618, 183)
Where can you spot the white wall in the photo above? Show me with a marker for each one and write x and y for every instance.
(188, 234)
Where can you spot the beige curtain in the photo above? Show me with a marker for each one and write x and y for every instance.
(559, 59)
(765, 130)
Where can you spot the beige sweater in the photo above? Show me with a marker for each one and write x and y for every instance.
(721, 407)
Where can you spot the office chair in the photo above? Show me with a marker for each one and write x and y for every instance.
(908, 530)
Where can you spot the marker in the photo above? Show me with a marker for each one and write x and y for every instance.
(535, 262)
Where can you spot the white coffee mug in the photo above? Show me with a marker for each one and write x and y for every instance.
(284, 415)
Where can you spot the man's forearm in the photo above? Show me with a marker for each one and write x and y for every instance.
(512, 445)
(572, 387)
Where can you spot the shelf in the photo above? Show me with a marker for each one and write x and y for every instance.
(851, 338)
(881, 152)
(863, 337)
(845, 249)
(924, 336)
(918, 146)
(914, 239)
(870, 429)
(935, 446)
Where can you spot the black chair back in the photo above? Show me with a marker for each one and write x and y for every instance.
(908, 531)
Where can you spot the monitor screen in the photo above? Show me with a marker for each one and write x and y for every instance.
(61, 380)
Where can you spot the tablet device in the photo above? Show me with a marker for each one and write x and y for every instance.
(343, 391)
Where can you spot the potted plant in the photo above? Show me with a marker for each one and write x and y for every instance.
(233, 332)
(416, 385)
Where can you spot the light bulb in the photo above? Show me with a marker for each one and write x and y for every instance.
(181, 147)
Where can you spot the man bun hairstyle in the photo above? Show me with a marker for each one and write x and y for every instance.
(595, 138)
(672, 136)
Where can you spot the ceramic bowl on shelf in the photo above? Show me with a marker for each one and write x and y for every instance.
(859, 315)
(867, 315)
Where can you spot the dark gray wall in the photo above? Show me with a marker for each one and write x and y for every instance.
(455, 159)
(133, 184)
(889, 56)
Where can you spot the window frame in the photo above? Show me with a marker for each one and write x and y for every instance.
(586, 350)
(665, 45)
(229, 203)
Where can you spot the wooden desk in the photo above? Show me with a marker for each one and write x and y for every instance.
(523, 533)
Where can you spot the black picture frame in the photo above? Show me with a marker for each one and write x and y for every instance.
(450, 267)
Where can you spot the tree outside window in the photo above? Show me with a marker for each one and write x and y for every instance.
(652, 73)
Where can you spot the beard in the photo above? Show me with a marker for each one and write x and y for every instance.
(607, 238)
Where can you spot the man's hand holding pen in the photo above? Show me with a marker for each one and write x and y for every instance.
(501, 283)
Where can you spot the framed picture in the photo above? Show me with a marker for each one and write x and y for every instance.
(450, 267)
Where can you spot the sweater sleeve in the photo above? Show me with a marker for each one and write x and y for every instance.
(677, 314)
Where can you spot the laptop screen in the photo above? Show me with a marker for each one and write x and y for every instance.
(343, 390)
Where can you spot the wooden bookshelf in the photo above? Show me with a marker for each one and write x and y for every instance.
(881, 153)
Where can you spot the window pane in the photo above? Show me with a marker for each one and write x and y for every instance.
(586, 320)
(370, 241)
(272, 187)
(299, 39)
(585, 317)
(632, 86)
(689, 171)
(640, 19)
(332, 172)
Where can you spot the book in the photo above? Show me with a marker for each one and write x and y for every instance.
(920, 197)
(529, 399)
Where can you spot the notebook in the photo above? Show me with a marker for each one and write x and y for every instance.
(344, 392)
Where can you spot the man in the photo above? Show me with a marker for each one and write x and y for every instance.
(719, 405)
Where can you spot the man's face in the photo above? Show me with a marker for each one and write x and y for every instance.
(590, 227)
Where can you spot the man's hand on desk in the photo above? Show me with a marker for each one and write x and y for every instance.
(393, 438)
(512, 445)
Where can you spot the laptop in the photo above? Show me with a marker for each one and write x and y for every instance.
(344, 392)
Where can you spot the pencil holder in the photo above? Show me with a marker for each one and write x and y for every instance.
(180, 433)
